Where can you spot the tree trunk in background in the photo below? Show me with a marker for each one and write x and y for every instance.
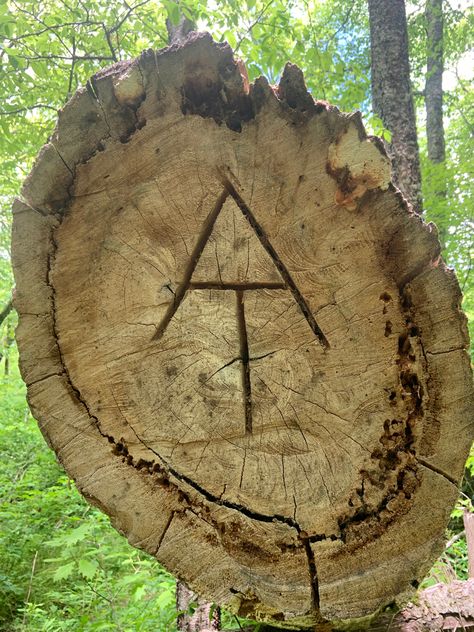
(434, 105)
(391, 93)
(177, 33)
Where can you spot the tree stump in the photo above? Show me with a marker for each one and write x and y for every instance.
(239, 341)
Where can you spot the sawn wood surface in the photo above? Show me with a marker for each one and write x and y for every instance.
(240, 342)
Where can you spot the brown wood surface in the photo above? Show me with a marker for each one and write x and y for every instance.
(240, 343)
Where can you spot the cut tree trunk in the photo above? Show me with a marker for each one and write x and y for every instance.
(469, 529)
(392, 97)
(239, 341)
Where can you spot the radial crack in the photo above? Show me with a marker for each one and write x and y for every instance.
(437, 470)
(224, 366)
(313, 573)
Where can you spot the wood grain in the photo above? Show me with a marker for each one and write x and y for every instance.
(240, 343)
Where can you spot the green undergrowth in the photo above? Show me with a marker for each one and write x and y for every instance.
(62, 565)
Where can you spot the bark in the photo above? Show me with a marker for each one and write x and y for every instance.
(195, 614)
(279, 359)
(469, 529)
(438, 608)
(434, 109)
(434, 81)
(392, 93)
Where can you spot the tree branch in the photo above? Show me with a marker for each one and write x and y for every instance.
(28, 109)
(256, 21)
(6, 310)
(454, 539)
(342, 25)
(68, 57)
(127, 15)
(53, 27)
(46, 26)
(71, 72)
(109, 42)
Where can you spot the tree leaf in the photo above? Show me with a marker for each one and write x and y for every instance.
(172, 9)
(77, 535)
(63, 572)
(87, 568)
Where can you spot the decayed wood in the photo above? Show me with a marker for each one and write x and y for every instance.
(440, 607)
(240, 343)
(468, 518)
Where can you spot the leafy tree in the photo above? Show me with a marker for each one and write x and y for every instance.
(61, 565)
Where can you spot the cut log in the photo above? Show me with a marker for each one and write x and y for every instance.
(239, 342)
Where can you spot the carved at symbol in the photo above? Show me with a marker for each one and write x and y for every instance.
(239, 289)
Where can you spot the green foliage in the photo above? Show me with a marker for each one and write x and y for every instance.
(452, 565)
(62, 566)
(452, 212)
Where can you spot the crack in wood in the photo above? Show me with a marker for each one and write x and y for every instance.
(224, 366)
(437, 470)
(313, 572)
(164, 469)
(244, 354)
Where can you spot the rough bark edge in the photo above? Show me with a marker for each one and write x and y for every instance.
(52, 164)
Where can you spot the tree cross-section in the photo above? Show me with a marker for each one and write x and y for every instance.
(240, 342)
(239, 288)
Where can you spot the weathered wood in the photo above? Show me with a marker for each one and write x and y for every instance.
(468, 519)
(241, 344)
(440, 607)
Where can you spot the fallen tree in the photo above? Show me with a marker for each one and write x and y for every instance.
(239, 341)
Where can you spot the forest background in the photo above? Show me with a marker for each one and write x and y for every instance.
(62, 566)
